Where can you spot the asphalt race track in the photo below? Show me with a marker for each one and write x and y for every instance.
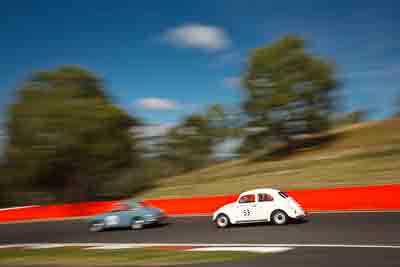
(346, 228)
(378, 228)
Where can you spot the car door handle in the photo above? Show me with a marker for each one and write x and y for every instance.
(254, 205)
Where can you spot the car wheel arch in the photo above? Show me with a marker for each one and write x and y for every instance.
(224, 223)
(279, 210)
(137, 222)
(276, 210)
(222, 213)
(225, 214)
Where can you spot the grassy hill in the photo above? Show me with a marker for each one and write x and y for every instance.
(363, 154)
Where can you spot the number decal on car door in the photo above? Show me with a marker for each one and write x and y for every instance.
(246, 212)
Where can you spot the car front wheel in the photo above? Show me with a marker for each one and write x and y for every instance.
(222, 221)
(137, 224)
(279, 217)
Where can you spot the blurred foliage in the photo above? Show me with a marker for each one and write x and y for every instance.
(67, 139)
(189, 145)
(289, 92)
(224, 123)
(3, 184)
(397, 106)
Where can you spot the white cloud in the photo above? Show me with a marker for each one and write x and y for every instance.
(234, 82)
(198, 36)
(153, 103)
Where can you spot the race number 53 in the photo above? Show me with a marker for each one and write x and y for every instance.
(112, 220)
(246, 212)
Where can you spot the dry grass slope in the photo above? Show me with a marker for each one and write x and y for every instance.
(364, 154)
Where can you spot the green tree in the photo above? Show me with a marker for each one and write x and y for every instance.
(224, 123)
(218, 123)
(189, 145)
(192, 143)
(66, 138)
(217, 116)
(289, 91)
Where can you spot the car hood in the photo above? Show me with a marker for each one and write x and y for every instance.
(227, 206)
(294, 204)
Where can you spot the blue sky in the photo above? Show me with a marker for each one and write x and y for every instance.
(164, 59)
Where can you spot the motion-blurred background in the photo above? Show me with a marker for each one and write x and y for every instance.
(106, 100)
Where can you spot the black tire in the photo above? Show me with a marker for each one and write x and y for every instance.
(137, 224)
(222, 221)
(279, 217)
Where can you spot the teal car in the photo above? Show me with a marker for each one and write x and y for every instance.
(129, 214)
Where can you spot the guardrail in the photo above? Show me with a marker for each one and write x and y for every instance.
(383, 197)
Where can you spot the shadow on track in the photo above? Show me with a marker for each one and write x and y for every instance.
(270, 224)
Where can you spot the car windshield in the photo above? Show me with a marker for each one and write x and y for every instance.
(143, 204)
(120, 207)
(283, 194)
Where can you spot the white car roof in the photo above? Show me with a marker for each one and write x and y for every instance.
(261, 190)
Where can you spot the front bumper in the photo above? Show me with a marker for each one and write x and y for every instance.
(300, 217)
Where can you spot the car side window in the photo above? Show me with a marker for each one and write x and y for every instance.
(247, 199)
(265, 197)
(119, 208)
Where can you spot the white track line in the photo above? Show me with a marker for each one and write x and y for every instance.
(145, 245)
(44, 246)
(270, 245)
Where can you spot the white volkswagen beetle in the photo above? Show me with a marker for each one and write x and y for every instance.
(259, 205)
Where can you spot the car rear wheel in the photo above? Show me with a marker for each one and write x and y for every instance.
(279, 217)
(96, 227)
(137, 224)
(222, 221)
